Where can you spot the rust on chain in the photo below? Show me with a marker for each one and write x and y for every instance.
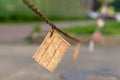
(52, 31)
(53, 26)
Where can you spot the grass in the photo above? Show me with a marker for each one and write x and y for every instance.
(112, 28)
(16, 10)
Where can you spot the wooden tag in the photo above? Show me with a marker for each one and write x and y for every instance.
(76, 53)
(51, 51)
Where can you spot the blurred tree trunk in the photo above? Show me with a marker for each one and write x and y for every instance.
(91, 4)
(88, 3)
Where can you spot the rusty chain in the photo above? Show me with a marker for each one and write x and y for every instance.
(53, 26)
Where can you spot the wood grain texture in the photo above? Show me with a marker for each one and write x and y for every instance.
(51, 51)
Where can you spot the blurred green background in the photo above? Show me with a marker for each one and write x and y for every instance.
(15, 10)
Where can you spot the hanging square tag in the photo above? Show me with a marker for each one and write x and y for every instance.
(51, 51)
(76, 53)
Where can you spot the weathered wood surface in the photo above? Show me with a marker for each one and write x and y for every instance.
(51, 51)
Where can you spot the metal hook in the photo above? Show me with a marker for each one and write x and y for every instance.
(52, 31)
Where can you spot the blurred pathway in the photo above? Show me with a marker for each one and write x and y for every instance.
(16, 62)
(13, 32)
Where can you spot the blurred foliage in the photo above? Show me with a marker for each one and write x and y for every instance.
(115, 4)
(80, 30)
(36, 29)
(35, 33)
(112, 28)
(16, 10)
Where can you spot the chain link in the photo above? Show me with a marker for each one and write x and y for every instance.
(53, 26)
